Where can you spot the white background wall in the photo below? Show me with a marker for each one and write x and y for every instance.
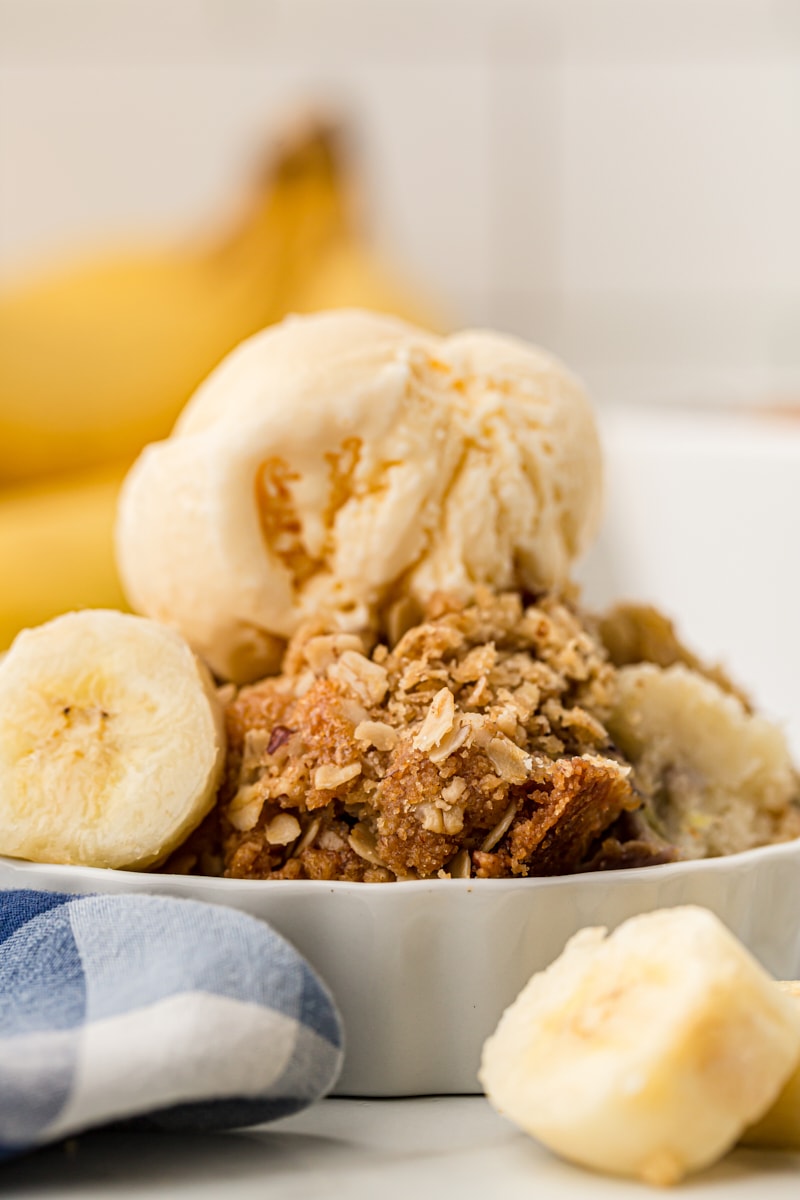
(617, 179)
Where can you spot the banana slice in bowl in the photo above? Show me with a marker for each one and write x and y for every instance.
(111, 741)
(647, 1053)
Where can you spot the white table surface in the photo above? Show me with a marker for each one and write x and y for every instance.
(386, 1149)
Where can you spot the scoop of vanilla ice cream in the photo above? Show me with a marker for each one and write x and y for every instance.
(340, 462)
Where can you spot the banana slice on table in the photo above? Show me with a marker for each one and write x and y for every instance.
(111, 741)
(645, 1053)
(780, 1126)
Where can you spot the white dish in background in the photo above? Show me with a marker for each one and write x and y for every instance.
(421, 971)
(702, 519)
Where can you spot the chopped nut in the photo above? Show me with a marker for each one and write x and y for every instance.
(320, 652)
(430, 817)
(282, 829)
(244, 796)
(329, 840)
(477, 663)
(506, 721)
(439, 720)
(367, 680)
(246, 816)
(454, 790)
(256, 742)
(510, 762)
(377, 734)
(245, 808)
(279, 737)
(489, 866)
(453, 820)
(479, 733)
(329, 776)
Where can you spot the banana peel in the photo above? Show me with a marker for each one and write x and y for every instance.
(349, 269)
(56, 548)
(98, 359)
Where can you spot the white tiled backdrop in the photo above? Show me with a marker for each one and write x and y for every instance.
(617, 179)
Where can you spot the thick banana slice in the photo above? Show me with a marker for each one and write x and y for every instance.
(111, 741)
(645, 1053)
(720, 779)
(780, 1126)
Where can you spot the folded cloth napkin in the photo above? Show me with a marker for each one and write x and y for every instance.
(188, 1014)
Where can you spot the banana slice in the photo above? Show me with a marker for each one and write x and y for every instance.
(111, 741)
(780, 1126)
(645, 1053)
(721, 779)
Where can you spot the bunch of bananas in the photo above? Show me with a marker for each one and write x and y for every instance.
(99, 360)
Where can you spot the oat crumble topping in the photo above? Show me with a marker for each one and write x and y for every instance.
(475, 746)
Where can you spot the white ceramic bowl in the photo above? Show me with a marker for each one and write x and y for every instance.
(422, 971)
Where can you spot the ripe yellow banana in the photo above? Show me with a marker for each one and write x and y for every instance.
(111, 741)
(98, 360)
(350, 274)
(56, 548)
(780, 1126)
(646, 1053)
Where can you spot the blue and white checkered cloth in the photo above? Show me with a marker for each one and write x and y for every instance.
(188, 1014)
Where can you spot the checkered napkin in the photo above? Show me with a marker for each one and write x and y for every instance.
(193, 1016)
